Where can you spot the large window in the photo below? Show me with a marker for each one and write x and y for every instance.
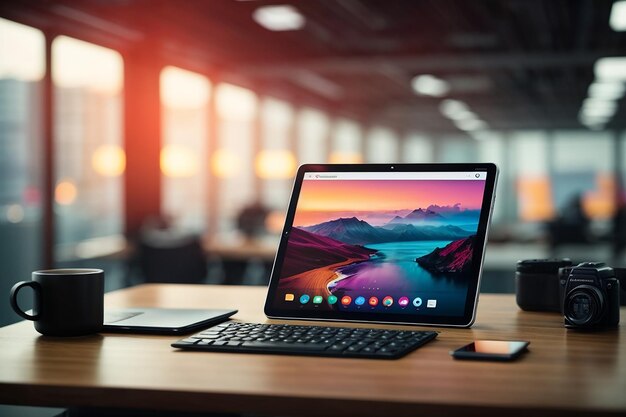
(457, 149)
(417, 149)
(312, 132)
(89, 155)
(492, 148)
(346, 142)
(22, 67)
(276, 163)
(529, 156)
(232, 162)
(382, 146)
(621, 190)
(184, 154)
(577, 176)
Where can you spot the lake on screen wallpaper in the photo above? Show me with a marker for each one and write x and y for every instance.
(377, 238)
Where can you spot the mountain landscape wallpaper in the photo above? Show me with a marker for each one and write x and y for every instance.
(384, 238)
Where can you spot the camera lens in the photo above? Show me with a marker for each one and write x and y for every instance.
(583, 305)
(581, 308)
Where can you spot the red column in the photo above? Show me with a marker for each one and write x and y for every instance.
(47, 184)
(142, 134)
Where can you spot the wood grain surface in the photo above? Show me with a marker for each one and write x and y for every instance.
(564, 373)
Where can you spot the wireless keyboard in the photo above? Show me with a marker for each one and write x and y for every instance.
(306, 340)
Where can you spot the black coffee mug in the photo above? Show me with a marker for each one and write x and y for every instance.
(68, 302)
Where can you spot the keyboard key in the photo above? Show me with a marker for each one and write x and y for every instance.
(354, 348)
(337, 348)
(283, 346)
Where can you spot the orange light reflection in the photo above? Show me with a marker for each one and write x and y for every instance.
(600, 203)
(339, 157)
(109, 160)
(65, 193)
(278, 164)
(178, 161)
(535, 198)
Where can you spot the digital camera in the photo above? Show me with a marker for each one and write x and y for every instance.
(589, 296)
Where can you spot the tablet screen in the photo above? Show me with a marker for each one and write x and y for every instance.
(382, 244)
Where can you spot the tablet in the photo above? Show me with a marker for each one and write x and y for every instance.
(383, 243)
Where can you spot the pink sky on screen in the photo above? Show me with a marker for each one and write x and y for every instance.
(326, 200)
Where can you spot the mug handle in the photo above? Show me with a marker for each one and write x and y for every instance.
(13, 298)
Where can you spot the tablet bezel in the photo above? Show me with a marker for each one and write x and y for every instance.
(379, 317)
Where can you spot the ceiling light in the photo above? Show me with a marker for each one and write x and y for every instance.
(617, 21)
(470, 124)
(606, 90)
(485, 135)
(588, 115)
(279, 17)
(594, 103)
(594, 124)
(318, 84)
(598, 111)
(598, 126)
(429, 85)
(587, 119)
(463, 115)
(452, 108)
(613, 68)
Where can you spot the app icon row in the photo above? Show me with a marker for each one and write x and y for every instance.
(360, 300)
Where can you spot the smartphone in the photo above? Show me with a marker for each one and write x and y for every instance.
(491, 350)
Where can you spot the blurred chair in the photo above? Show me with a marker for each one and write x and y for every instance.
(618, 232)
(167, 255)
(249, 270)
(251, 220)
(571, 227)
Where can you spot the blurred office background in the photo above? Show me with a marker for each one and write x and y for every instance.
(121, 119)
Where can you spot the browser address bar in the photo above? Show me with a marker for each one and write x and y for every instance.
(330, 176)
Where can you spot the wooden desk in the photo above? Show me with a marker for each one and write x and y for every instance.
(565, 373)
(243, 250)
